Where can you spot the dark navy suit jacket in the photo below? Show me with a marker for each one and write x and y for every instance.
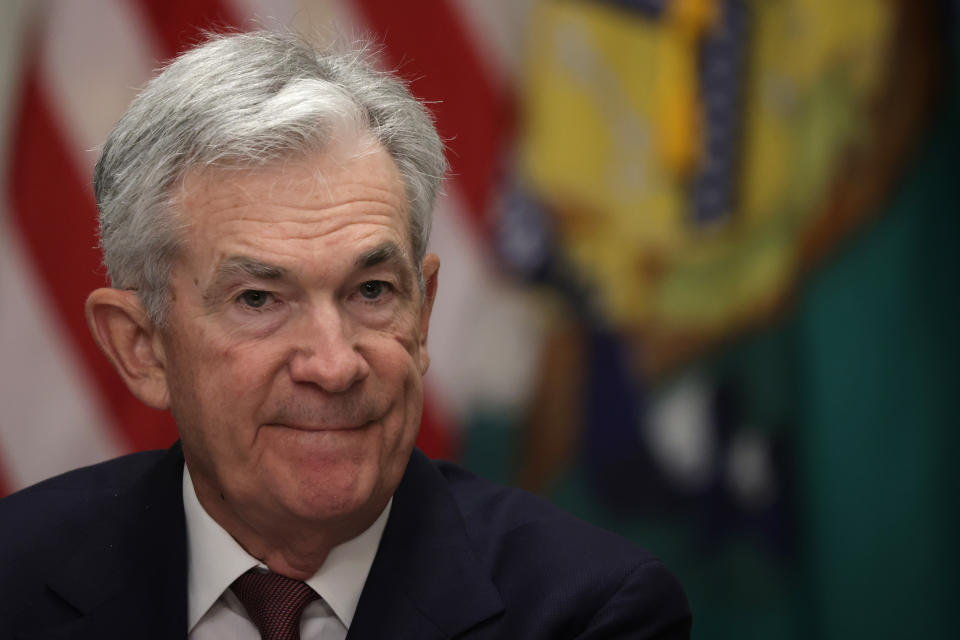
(101, 553)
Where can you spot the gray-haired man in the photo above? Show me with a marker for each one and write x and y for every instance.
(265, 210)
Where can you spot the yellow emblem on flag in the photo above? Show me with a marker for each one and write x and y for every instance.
(612, 137)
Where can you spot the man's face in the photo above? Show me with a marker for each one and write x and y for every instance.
(296, 342)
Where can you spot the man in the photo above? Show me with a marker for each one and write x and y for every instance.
(265, 211)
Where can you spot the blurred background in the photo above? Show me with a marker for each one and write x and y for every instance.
(699, 276)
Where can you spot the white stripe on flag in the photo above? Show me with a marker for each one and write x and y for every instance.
(498, 30)
(95, 56)
(266, 14)
(14, 15)
(486, 333)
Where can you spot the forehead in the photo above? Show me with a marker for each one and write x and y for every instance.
(340, 195)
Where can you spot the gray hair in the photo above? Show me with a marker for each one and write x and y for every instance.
(248, 100)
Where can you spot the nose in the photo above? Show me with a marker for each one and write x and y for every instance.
(326, 353)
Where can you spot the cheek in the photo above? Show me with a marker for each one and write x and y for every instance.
(396, 363)
(396, 356)
(405, 332)
(214, 382)
(410, 390)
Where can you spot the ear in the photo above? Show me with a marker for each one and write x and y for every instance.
(125, 334)
(431, 268)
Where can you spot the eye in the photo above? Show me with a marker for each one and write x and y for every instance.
(254, 298)
(373, 289)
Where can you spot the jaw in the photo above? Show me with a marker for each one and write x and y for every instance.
(306, 492)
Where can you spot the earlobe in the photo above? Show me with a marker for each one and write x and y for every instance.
(431, 269)
(125, 334)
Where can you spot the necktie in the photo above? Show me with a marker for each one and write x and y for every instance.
(274, 602)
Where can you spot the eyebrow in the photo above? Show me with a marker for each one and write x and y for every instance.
(240, 266)
(385, 253)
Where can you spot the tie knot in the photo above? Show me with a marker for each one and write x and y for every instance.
(274, 602)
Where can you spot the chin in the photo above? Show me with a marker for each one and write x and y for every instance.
(332, 493)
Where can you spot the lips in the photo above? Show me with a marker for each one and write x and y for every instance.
(345, 415)
(321, 427)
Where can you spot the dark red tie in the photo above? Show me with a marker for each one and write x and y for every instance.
(274, 602)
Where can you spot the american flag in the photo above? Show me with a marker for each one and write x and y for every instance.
(68, 68)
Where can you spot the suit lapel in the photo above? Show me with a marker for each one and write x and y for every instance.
(425, 582)
(129, 575)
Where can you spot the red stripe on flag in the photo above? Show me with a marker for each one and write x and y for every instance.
(432, 49)
(55, 212)
(179, 24)
(436, 438)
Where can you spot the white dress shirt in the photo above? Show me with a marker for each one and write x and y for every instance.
(215, 560)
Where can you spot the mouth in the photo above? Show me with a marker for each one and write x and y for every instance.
(320, 428)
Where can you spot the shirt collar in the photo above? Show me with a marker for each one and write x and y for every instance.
(215, 560)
